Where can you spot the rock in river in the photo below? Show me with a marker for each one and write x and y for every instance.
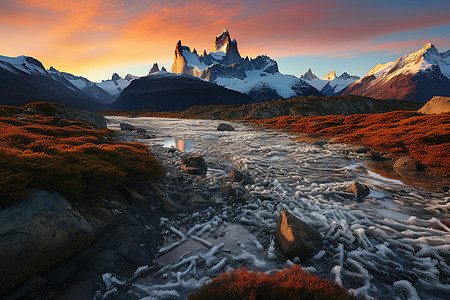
(360, 190)
(296, 238)
(225, 127)
(127, 127)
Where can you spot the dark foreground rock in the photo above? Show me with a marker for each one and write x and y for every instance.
(296, 238)
(194, 164)
(37, 234)
(225, 127)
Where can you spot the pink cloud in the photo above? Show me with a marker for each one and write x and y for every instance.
(88, 34)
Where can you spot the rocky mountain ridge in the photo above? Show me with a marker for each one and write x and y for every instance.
(259, 77)
(330, 85)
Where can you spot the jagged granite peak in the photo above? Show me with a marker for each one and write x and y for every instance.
(115, 77)
(309, 75)
(415, 76)
(221, 41)
(163, 69)
(179, 60)
(257, 77)
(330, 76)
(154, 69)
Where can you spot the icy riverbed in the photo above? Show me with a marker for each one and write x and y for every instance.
(389, 246)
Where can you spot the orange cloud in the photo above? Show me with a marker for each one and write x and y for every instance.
(86, 35)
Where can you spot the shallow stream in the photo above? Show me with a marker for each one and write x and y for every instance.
(392, 245)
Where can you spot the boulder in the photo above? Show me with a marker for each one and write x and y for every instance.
(127, 127)
(225, 127)
(237, 176)
(39, 233)
(436, 105)
(405, 163)
(360, 190)
(296, 238)
(58, 110)
(194, 164)
(31, 285)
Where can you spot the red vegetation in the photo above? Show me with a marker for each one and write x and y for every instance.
(72, 158)
(426, 138)
(292, 283)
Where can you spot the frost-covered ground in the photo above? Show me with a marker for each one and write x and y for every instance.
(390, 246)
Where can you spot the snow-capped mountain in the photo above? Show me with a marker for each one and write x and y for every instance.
(106, 91)
(416, 76)
(24, 79)
(259, 77)
(330, 85)
(49, 85)
(116, 84)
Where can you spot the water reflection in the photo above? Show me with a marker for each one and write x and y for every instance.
(182, 145)
(423, 179)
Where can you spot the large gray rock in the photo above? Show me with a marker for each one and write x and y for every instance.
(194, 164)
(436, 105)
(37, 234)
(57, 110)
(296, 238)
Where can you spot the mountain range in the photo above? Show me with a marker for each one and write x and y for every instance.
(330, 85)
(416, 76)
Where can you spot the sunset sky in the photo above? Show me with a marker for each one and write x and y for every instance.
(95, 38)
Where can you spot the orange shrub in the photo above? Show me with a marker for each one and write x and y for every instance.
(426, 138)
(70, 157)
(292, 283)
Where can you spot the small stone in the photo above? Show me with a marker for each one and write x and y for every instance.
(194, 164)
(237, 176)
(225, 127)
(362, 150)
(374, 155)
(361, 169)
(359, 189)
